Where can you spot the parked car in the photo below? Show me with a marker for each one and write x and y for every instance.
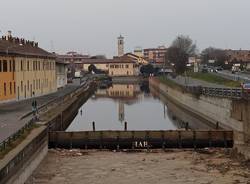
(246, 87)
(218, 69)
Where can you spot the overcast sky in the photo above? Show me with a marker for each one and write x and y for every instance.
(92, 26)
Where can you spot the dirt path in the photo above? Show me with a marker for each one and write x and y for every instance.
(173, 167)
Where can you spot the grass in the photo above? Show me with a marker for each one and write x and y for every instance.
(170, 83)
(16, 142)
(208, 77)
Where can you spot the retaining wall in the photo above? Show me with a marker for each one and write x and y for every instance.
(213, 109)
(18, 165)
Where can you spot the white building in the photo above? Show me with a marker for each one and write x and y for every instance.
(61, 74)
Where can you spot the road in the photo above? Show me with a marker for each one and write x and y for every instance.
(10, 113)
(237, 76)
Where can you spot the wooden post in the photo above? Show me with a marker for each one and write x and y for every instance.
(93, 125)
(186, 125)
(125, 126)
(217, 125)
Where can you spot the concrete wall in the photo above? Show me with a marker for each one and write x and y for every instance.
(29, 167)
(213, 109)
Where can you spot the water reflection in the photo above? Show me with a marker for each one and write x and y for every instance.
(132, 103)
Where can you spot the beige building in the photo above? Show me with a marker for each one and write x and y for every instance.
(118, 66)
(33, 68)
(139, 59)
(138, 52)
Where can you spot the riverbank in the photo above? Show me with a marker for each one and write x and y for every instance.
(19, 163)
(204, 166)
(233, 114)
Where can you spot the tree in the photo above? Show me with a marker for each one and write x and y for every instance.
(179, 58)
(185, 44)
(92, 68)
(218, 55)
(179, 52)
(147, 69)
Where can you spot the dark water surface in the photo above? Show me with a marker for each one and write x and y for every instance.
(132, 103)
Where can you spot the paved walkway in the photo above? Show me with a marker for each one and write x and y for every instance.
(10, 113)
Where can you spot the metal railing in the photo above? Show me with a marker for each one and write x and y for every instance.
(44, 108)
(235, 93)
(14, 165)
(7, 142)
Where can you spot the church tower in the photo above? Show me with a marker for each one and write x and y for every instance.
(121, 112)
(120, 46)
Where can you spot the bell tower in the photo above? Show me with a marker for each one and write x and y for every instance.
(120, 46)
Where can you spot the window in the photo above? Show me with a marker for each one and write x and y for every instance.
(4, 89)
(28, 85)
(14, 66)
(5, 66)
(1, 66)
(28, 65)
(34, 66)
(39, 65)
(126, 66)
(21, 65)
(21, 86)
(10, 88)
(15, 87)
(10, 69)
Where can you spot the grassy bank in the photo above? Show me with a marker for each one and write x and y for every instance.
(170, 83)
(208, 77)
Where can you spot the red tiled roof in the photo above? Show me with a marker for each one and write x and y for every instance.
(26, 49)
(123, 59)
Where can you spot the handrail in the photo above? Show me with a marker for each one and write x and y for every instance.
(43, 108)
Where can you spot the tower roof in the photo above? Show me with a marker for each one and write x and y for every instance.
(120, 37)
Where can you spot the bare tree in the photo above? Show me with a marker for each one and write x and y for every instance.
(179, 58)
(185, 44)
(178, 53)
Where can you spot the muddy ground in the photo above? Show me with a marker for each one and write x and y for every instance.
(206, 166)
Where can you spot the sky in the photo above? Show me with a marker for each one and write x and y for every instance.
(92, 26)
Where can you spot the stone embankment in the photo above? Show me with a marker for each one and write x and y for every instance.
(23, 159)
(231, 114)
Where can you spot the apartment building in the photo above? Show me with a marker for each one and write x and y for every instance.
(26, 70)
(155, 55)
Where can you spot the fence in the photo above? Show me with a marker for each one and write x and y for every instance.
(17, 162)
(236, 93)
(53, 103)
(141, 139)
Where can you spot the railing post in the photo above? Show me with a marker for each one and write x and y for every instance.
(93, 126)
(217, 125)
(125, 126)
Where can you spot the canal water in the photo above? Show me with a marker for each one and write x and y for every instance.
(132, 103)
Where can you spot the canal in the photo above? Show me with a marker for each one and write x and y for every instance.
(142, 108)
